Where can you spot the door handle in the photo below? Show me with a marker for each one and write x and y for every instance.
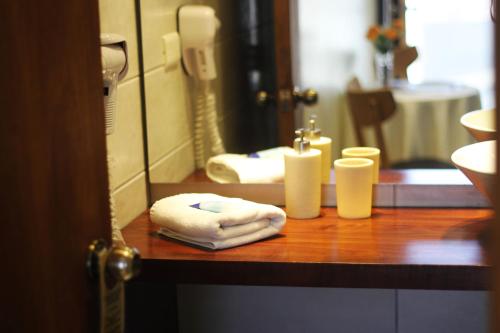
(123, 263)
(111, 267)
(307, 97)
(285, 99)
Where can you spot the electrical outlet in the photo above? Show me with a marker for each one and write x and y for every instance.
(171, 50)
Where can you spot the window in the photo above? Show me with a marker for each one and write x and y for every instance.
(455, 43)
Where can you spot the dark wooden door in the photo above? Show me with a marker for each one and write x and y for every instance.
(265, 67)
(285, 104)
(54, 195)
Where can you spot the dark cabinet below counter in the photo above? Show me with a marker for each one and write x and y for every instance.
(248, 309)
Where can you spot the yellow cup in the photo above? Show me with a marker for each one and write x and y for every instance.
(354, 186)
(365, 152)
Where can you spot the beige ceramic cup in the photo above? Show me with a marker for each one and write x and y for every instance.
(365, 152)
(354, 185)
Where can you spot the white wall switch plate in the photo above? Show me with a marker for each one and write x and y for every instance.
(171, 50)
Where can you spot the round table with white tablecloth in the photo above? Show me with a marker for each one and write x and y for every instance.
(427, 122)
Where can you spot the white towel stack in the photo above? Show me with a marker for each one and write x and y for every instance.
(216, 222)
(266, 166)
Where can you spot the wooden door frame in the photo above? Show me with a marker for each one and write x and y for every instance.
(285, 105)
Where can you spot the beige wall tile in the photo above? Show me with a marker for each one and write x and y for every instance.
(174, 167)
(168, 114)
(118, 16)
(170, 5)
(125, 145)
(130, 200)
(158, 18)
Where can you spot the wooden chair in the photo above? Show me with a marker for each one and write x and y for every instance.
(353, 84)
(403, 57)
(371, 109)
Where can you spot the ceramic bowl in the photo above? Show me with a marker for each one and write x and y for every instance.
(480, 124)
(478, 162)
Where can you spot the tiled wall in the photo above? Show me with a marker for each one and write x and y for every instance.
(168, 100)
(125, 145)
(170, 93)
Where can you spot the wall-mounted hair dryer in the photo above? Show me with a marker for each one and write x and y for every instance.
(114, 68)
(197, 28)
(114, 58)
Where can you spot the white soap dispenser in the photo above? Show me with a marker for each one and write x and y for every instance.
(323, 143)
(302, 179)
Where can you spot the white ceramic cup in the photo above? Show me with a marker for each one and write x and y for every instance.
(371, 153)
(354, 186)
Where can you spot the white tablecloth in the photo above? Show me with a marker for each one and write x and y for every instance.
(426, 124)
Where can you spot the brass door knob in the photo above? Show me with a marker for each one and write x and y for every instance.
(111, 267)
(123, 262)
(119, 262)
(307, 96)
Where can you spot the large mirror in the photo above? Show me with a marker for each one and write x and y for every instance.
(250, 105)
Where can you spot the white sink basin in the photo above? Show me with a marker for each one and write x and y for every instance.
(478, 162)
(480, 124)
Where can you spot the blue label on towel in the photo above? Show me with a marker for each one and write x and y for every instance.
(253, 155)
(213, 206)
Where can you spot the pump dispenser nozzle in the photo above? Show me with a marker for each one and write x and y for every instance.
(301, 144)
(312, 132)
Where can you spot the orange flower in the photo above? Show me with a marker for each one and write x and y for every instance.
(391, 33)
(373, 32)
(398, 24)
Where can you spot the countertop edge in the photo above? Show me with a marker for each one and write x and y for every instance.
(338, 275)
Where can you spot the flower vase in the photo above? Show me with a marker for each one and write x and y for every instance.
(384, 65)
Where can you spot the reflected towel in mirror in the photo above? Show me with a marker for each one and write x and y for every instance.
(266, 166)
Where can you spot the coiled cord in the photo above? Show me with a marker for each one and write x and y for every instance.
(206, 111)
(199, 131)
(116, 232)
(212, 125)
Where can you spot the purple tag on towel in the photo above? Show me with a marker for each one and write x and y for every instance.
(212, 206)
(253, 155)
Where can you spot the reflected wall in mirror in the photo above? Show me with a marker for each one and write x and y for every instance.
(171, 96)
(328, 48)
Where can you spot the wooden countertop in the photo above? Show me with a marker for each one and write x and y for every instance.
(396, 248)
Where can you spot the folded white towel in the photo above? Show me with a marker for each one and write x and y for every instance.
(266, 166)
(216, 222)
